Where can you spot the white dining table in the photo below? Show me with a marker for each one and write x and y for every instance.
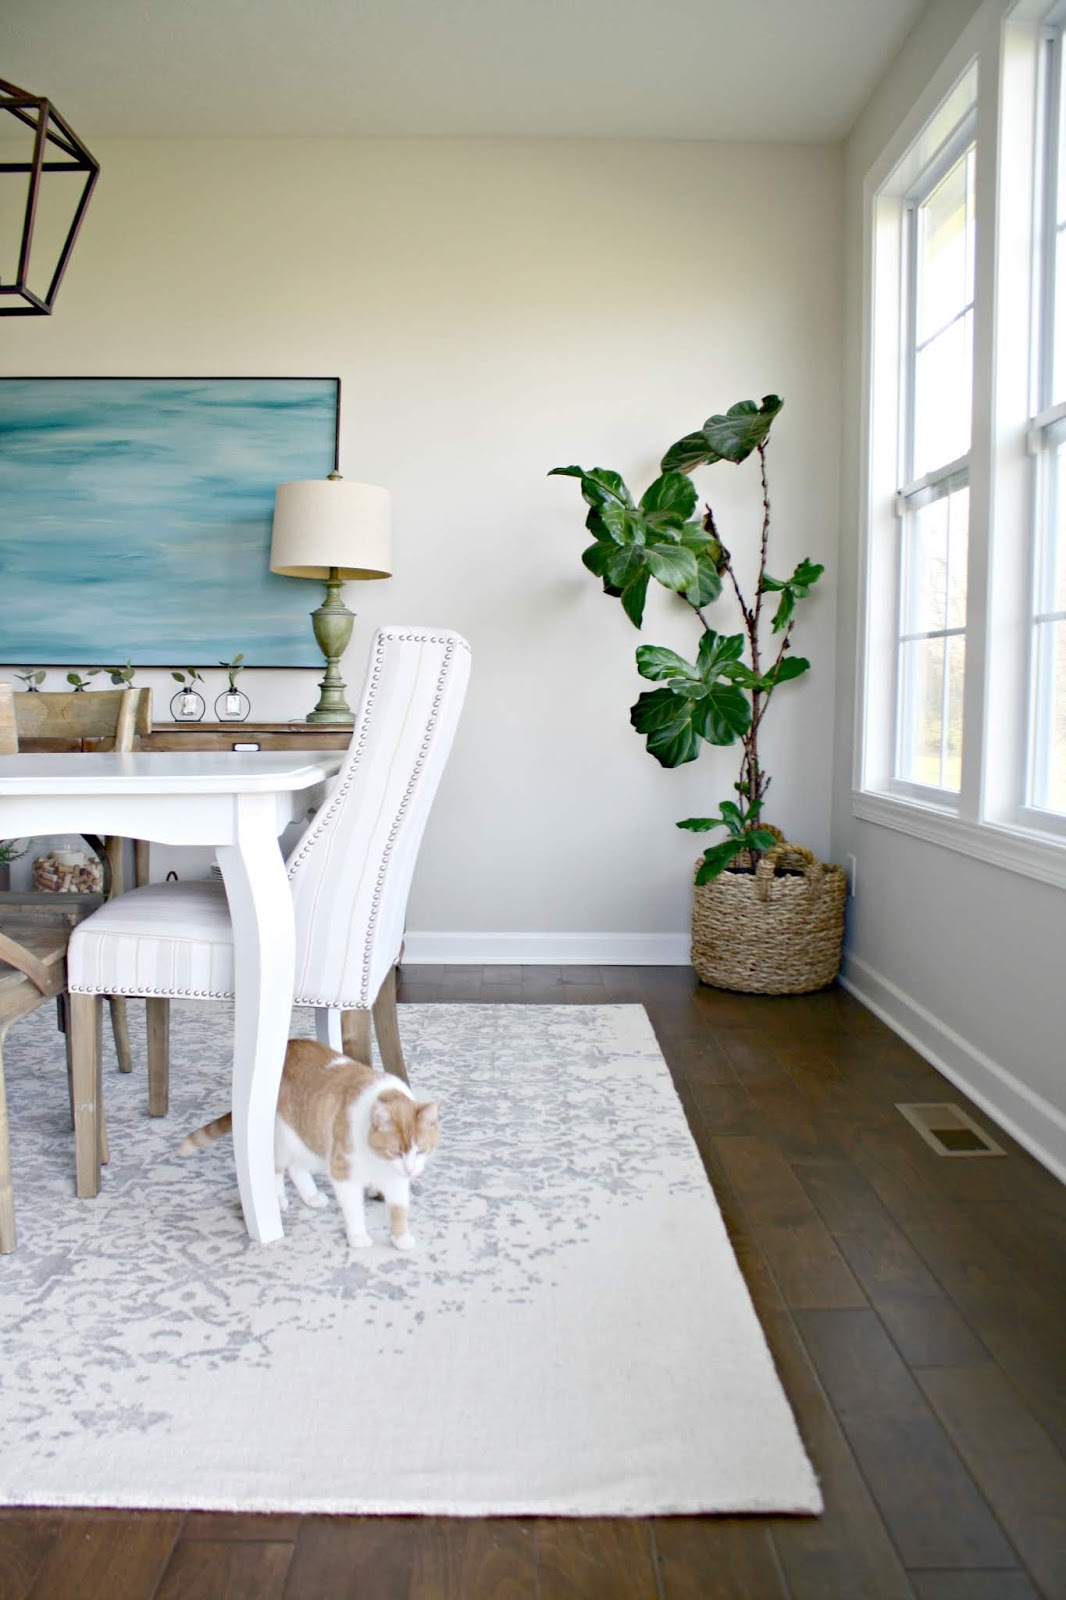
(238, 804)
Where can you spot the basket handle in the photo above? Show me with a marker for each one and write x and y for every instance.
(792, 854)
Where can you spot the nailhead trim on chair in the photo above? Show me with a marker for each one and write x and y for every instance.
(427, 740)
(172, 994)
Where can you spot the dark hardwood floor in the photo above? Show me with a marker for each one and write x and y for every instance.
(916, 1308)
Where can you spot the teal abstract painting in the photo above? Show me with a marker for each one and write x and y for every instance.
(136, 513)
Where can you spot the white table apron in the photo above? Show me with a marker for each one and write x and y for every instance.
(238, 804)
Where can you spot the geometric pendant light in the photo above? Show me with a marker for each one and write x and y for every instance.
(56, 175)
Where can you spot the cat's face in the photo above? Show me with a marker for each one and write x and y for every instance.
(404, 1132)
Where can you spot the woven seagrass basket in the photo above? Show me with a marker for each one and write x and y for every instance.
(778, 930)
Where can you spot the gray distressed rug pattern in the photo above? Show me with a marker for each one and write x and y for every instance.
(572, 1335)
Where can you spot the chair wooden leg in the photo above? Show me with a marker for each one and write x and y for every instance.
(120, 1027)
(7, 1193)
(85, 1017)
(114, 849)
(103, 1149)
(387, 1028)
(328, 1027)
(142, 852)
(158, 1014)
(355, 1035)
(63, 1024)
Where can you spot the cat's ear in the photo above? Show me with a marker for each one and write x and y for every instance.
(429, 1114)
(381, 1117)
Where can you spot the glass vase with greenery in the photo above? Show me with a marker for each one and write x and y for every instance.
(721, 697)
(233, 705)
(188, 705)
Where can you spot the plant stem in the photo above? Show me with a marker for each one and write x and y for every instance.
(753, 784)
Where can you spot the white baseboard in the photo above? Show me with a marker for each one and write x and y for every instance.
(548, 949)
(1027, 1116)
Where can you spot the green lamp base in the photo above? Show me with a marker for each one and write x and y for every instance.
(333, 624)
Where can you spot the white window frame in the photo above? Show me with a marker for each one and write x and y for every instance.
(1047, 427)
(994, 65)
(943, 480)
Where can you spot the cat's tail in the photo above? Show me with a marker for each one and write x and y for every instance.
(206, 1135)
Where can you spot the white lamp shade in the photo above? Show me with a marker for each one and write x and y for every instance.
(327, 522)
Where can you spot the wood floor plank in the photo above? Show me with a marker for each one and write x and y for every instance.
(702, 1059)
(353, 1558)
(788, 1113)
(25, 1541)
(718, 1558)
(260, 1527)
(1020, 1472)
(464, 1559)
(752, 1057)
(726, 1107)
(973, 1586)
(108, 1556)
(809, 1269)
(1005, 1305)
(595, 1559)
(226, 1569)
(926, 1326)
(1030, 1236)
(847, 1550)
(929, 1502)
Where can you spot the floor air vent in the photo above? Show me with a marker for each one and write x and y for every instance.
(949, 1131)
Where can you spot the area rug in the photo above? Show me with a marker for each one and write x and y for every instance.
(571, 1337)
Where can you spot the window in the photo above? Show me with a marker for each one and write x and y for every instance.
(1046, 786)
(939, 237)
(961, 735)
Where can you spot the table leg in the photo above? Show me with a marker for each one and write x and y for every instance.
(264, 947)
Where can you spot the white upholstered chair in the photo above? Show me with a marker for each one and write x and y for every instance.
(350, 874)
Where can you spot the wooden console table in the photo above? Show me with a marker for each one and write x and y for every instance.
(167, 736)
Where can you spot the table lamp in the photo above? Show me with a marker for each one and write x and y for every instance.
(329, 529)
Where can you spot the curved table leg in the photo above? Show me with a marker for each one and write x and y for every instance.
(264, 947)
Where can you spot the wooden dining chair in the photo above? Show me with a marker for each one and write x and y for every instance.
(101, 719)
(34, 933)
(350, 874)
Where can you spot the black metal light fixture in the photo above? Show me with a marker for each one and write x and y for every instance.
(55, 139)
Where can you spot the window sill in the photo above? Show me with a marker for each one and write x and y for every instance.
(1032, 854)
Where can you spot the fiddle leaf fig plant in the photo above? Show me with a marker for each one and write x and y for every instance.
(720, 698)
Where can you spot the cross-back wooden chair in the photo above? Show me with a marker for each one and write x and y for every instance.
(34, 932)
(101, 719)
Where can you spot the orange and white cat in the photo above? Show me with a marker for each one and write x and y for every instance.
(360, 1128)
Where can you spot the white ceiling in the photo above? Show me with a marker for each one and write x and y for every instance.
(658, 69)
